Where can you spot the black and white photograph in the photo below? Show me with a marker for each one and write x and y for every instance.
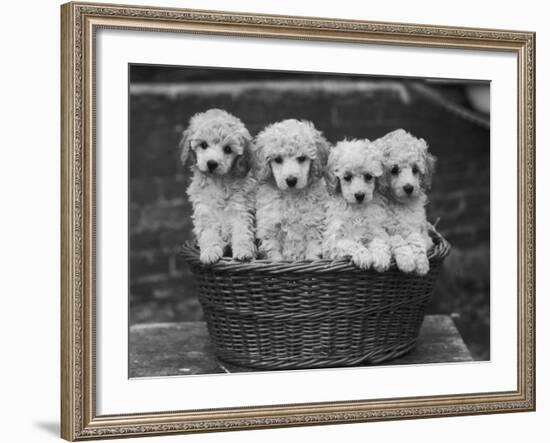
(304, 220)
(285, 220)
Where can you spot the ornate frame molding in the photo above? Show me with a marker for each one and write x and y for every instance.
(79, 420)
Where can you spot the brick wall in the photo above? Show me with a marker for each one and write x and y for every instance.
(161, 287)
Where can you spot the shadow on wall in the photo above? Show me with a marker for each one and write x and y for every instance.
(162, 288)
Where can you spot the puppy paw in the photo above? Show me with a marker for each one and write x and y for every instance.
(381, 262)
(422, 264)
(362, 259)
(405, 262)
(244, 254)
(211, 255)
(274, 256)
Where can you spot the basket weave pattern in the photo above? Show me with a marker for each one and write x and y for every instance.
(290, 315)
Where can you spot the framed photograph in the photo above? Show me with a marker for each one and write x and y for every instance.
(282, 221)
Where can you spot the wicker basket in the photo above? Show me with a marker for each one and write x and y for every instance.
(290, 315)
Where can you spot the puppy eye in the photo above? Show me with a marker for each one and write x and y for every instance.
(395, 170)
(415, 169)
(278, 160)
(203, 145)
(347, 177)
(368, 177)
(227, 149)
(301, 159)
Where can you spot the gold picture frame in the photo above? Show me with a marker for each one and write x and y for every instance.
(80, 21)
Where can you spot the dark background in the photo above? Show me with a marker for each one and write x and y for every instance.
(162, 99)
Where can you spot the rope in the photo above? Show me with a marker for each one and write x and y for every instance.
(450, 106)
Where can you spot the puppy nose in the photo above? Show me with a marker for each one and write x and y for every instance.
(211, 165)
(291, 181)
(408, 189)
(359, 196)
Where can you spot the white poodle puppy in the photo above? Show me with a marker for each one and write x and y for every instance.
(408, 168)
(356, 215)
(290, 202)
(221, 188)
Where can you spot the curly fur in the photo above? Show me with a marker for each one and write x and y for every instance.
(290, 219)
(355, 228)
(407, 164)
(222, 198)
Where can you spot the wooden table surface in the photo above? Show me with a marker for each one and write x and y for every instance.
(164, 349)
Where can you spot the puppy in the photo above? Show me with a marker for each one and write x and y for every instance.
(290, 157)
(221, 188)
(356, 215)
(408, 169)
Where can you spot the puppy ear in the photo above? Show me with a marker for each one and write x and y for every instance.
(185, 146)
(243, 163)
(331, 179)
(319, 163)
(429, 162)
(376, 159)
(382, 184)
(333, 183)
(259, 159)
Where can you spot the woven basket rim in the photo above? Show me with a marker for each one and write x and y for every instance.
(190, 252)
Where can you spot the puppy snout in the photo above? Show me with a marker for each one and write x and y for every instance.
(212, 165)
(359, 196)
(291, 181)
(408, 189)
